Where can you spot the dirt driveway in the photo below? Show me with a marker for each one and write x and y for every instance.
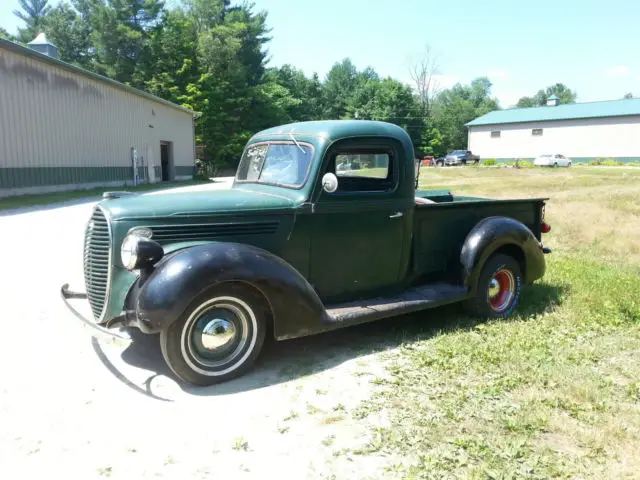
(73, 408)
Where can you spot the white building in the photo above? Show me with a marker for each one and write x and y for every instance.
(62, 127)
(582, 131)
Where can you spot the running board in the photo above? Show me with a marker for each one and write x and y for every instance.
(412, 300)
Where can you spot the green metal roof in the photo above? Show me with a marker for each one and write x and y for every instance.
(29, 52)
(610, 108)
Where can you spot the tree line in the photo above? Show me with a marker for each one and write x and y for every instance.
(212, 57)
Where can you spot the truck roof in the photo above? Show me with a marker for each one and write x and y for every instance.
(337, 129)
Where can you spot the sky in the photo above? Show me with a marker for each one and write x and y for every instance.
(589, 45)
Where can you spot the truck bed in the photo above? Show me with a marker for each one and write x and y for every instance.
(441, 226)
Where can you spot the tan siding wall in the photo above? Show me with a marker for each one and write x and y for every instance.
(50, 117)
(617, 137)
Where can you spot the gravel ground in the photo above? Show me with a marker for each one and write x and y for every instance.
(72, 407)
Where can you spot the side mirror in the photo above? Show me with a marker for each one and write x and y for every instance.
(329, 182)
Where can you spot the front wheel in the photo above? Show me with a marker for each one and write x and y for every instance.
(498, 288)
(217, 338)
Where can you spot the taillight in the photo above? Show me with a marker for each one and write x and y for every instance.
(544, 226)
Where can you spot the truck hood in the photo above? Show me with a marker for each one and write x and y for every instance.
(202, 200)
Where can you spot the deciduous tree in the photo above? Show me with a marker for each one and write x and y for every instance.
(564, 94)
(461, 104)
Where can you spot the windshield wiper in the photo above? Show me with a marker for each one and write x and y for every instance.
(296, 142)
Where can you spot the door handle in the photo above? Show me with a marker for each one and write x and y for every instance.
(396, 215)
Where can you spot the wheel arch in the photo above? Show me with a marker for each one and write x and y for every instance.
(500, 235)
(292, 306)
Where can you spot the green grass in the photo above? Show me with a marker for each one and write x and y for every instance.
(49, 198)
(552, 392)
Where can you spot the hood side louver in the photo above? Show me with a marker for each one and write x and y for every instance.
(185, 233)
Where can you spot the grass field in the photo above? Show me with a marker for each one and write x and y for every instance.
(553, 392)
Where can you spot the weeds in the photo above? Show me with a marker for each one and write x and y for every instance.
(292, 415)
(240, 444)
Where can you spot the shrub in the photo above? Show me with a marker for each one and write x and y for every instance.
(489, 162)
(525, 164)
(606, 162)
(610, 162)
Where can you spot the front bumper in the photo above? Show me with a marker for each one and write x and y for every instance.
(98, 331)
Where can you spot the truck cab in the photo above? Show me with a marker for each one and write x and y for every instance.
(322, 228)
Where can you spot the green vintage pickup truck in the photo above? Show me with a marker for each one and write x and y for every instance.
(322, 228)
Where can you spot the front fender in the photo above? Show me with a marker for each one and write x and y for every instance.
(501, 233)
(162, 296)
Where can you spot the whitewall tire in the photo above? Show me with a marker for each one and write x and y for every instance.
(218, 337)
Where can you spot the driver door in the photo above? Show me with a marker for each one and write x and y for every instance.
(359, 231)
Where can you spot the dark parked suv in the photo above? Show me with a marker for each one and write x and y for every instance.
(460, 157)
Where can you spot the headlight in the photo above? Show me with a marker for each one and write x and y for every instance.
(129, 251)
(138, 250)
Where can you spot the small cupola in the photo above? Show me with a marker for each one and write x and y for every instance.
(44, 46)
(553, 101)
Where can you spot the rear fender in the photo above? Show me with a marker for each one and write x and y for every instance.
(160, 297)
(505, 234)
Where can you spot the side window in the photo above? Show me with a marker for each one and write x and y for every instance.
(363, 171)
(368, 165)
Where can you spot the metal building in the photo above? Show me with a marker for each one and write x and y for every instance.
(582, 131)
(63, 127)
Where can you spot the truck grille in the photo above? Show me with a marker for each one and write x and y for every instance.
(97, 256)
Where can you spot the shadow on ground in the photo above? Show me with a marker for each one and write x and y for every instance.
(288, 360)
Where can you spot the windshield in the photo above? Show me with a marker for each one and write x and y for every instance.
(276, 163)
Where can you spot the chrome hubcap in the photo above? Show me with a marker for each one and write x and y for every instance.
(494, 288)
(218, 333)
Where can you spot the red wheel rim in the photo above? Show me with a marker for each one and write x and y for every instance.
(502, 288)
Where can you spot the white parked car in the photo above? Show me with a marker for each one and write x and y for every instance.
(555, 160)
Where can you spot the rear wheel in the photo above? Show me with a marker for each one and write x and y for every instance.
(498, 288)
(217, 338)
